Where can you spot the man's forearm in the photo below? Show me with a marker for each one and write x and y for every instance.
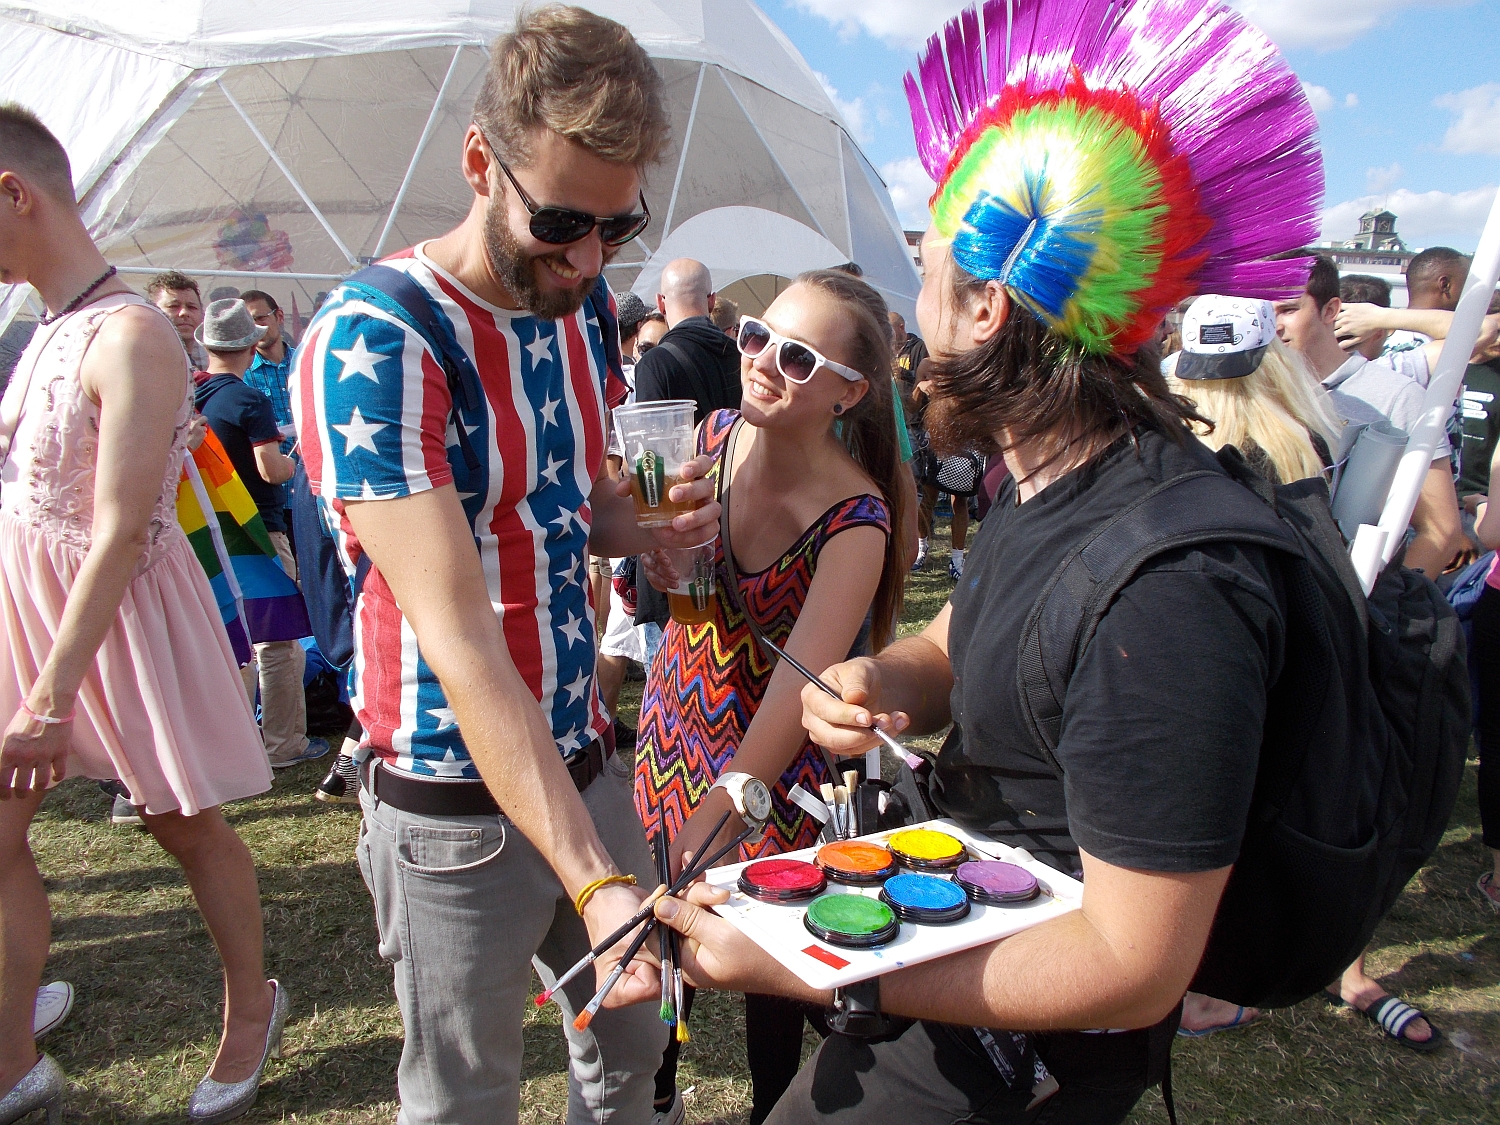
(916, 678)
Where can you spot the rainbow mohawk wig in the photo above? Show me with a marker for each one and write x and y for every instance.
(1104, 159)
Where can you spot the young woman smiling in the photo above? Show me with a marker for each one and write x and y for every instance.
(809, 472)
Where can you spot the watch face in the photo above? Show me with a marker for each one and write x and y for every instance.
(757, 799)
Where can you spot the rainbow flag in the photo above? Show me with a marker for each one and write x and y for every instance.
(257, 599)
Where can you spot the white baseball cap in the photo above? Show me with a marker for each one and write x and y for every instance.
(1225, 337)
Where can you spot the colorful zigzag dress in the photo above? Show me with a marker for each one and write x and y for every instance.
(707, 680)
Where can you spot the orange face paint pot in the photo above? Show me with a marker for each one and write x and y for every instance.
(856, 863)
(923, 850)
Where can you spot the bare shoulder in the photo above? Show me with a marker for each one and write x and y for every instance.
(135, 346)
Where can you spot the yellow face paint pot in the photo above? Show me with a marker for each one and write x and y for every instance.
(922, 849)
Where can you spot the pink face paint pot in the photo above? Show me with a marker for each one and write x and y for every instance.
(994, 883)
(782, 880)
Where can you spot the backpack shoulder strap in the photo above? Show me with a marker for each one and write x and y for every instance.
(404, 298)
(1196, 508)
(683, 360)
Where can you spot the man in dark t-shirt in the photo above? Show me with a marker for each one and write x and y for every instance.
(242, 419)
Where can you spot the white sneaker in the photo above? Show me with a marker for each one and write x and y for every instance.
(53, 1003)
(674, 1114)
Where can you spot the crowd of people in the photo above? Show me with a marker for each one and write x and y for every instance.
(462, 456)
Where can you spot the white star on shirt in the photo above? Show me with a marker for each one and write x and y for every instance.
(570, 574)
(572, 628)
(549, 410)
(445, 717)
(448, 765)
(554, 466)
(451, 439)
(540, 349)
(564, 520)
(359, 434)
(576, 689)
(359, 360)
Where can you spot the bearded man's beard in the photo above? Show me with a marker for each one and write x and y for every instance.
(516, 270)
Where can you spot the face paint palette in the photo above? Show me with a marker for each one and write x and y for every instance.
(997, 884)
(782, 880)
(851, 921)
(850, 931)
(856, 863)
(922, 849)
(925, 899)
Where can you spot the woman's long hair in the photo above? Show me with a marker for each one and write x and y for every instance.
(1278, 407)
(870, 430)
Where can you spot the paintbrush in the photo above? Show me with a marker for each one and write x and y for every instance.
(813, 678)
(585, 1016)
(851, 783)
(664, 952)
(841, 801)
(640, 916)
(826, 792)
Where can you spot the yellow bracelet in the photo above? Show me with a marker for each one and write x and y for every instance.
(582, 901)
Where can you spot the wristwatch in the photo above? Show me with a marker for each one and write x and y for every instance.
(856, 1012)
(750, 795)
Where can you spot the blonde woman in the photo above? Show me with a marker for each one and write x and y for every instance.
(1262, 397)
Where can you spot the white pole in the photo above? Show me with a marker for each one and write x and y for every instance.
(1442, 392)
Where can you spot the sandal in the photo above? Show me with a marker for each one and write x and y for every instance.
(1486, 885)
(1239, 1021)
(1393, 1016)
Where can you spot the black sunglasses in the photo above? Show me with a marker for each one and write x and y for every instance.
(560, 226)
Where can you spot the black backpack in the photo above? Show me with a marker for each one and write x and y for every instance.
(1366, 728)
(329, 593)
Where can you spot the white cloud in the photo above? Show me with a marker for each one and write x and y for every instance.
(1324, 24)
(1426, 218)
(901, 23)
(1478, 126)
(1383, 179)
(855, 115)
(910, 188)
(1318, 97)
(1351, 101)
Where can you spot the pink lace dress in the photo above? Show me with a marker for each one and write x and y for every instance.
(163, 708)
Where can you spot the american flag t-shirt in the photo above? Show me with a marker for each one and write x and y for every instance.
(374, 411)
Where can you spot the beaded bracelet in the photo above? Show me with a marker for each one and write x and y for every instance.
(587, 893)
(48, 720)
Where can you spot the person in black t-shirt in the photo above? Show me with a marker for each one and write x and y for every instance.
(1160, 743)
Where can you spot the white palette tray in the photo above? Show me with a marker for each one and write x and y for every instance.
(778, 929)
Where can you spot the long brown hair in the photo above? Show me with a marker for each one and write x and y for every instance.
(870, 430)
(1037, 386)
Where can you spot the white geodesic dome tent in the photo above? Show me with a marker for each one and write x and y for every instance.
(278, 144)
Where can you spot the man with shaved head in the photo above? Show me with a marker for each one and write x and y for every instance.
(695, 359)
(1434, 280)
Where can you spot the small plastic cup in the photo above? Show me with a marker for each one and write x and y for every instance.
(657, 438)
(691, 602)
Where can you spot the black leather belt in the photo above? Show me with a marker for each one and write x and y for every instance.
(473, 798)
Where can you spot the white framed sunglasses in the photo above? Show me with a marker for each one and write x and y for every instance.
(797, 362)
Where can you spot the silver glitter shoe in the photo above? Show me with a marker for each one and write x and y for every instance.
(41, 1088)
(213, 1101)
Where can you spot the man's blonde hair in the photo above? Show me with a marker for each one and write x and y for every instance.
(581, 76)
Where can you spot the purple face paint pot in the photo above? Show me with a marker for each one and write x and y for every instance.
(993, 883)
(924, 899)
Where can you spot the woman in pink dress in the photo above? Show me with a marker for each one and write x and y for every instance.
(114, 662)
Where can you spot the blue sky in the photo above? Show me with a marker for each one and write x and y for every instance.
(1407, 94)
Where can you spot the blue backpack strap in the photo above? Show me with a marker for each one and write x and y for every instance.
(399, 295)
(609, 326)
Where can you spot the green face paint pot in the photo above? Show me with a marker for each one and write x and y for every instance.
(851, 921)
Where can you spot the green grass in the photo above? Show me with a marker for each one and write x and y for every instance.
(125, 932)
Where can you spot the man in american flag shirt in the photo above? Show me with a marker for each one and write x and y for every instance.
(492, 803)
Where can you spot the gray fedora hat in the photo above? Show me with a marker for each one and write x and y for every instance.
(228, 326)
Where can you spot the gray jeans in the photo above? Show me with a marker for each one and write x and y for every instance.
(466, 906)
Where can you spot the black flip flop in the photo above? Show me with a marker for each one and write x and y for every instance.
(1393, 1015)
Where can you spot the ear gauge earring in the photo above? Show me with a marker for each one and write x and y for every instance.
(838, 408)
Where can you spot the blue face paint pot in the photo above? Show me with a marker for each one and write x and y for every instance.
(924, 899)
